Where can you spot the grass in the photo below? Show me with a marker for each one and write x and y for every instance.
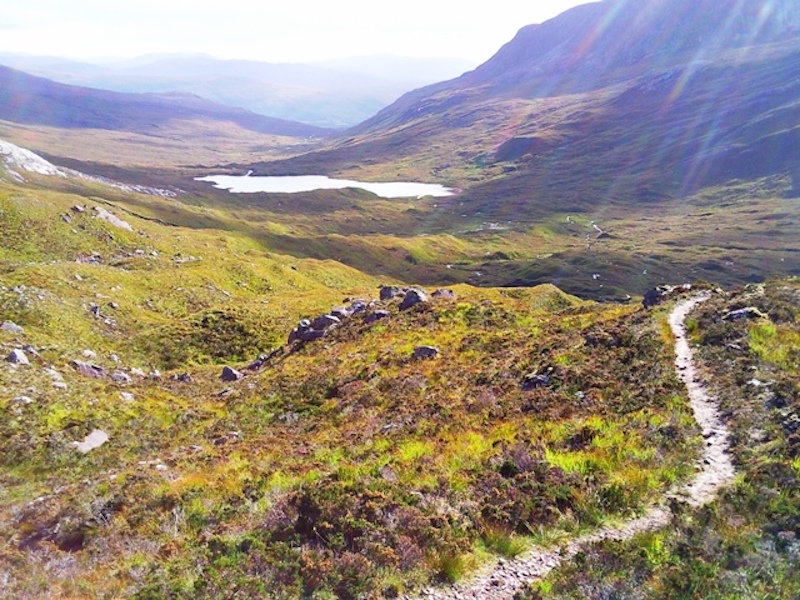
(343, 467)
(743, 545)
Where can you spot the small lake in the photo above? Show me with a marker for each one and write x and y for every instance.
(249, 184)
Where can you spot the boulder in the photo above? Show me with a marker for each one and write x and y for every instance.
(387, 292)
(18, 357)
(376, 316)
(358, 306)
(325, 322)
(749, 312)
(425, 352)
(121, 377)
(413, 297)
(231, 374)
(442, 294)
(533, 382)
(341, 313)
(11, 327)
(311, 335)
(94, 440)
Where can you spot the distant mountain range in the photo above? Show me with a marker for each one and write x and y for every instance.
(336, 93)
(33, 100)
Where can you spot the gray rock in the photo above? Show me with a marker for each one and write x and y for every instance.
(325, 322)
(89, 369)
(533, 382)
(31, 350)
(311, 335)
(127, 396)
(18, 357)
(376, 316)
(155, 374)
(23, 400)
(341, 313)
(11, 327)
(358, 307)
(749, 312)
(94, 440)
(59, 385)
(91, 355)
(425, 352)
(121, 377)
(442, 294)
(231, 374)
(387, 292)
(136, 371)
(413, 297)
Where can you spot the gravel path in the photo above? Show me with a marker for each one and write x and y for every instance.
(505, 577)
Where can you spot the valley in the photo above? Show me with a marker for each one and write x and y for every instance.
(334, 394)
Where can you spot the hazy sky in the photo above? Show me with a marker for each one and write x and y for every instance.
(286, 31)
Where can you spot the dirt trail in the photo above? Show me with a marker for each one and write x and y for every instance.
(505, 577)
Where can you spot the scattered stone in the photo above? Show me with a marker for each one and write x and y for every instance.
(89, 354)
(53, 374)
(23, 400)
(749, 312)
(443, 294)
(376, 316)
(18, 357)
(231, 374)
(94, 440)
(155, 374)
(59, 385)
(387, 292)
(137, 372)
(89, 369)
(660, 293)
(325, 322)
(11, 327)
(127, 396)
(78, 209)
(161, 467)
(533, 382)
(358, 306)
(31, 350)
(121, 377)
(311, 335)
(425, 352)
(341, 313)
(112, 219)
(413, 297)
(183, 378)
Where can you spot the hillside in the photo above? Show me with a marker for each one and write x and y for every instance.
(335, 94)
(330, 395)
(30, 100)
(573, 121)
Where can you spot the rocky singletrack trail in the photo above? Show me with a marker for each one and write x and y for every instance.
(506, 577)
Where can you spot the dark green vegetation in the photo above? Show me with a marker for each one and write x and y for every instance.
(745, 545)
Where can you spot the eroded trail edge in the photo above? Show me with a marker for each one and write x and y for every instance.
(506, 577)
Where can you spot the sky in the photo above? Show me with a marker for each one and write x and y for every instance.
(266, 30)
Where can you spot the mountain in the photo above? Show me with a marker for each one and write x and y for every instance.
(337, 93)
(36, 101)
(613, 111)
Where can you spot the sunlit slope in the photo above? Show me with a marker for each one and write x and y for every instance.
(343, 467)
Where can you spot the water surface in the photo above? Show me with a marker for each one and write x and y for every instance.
(249, 184)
